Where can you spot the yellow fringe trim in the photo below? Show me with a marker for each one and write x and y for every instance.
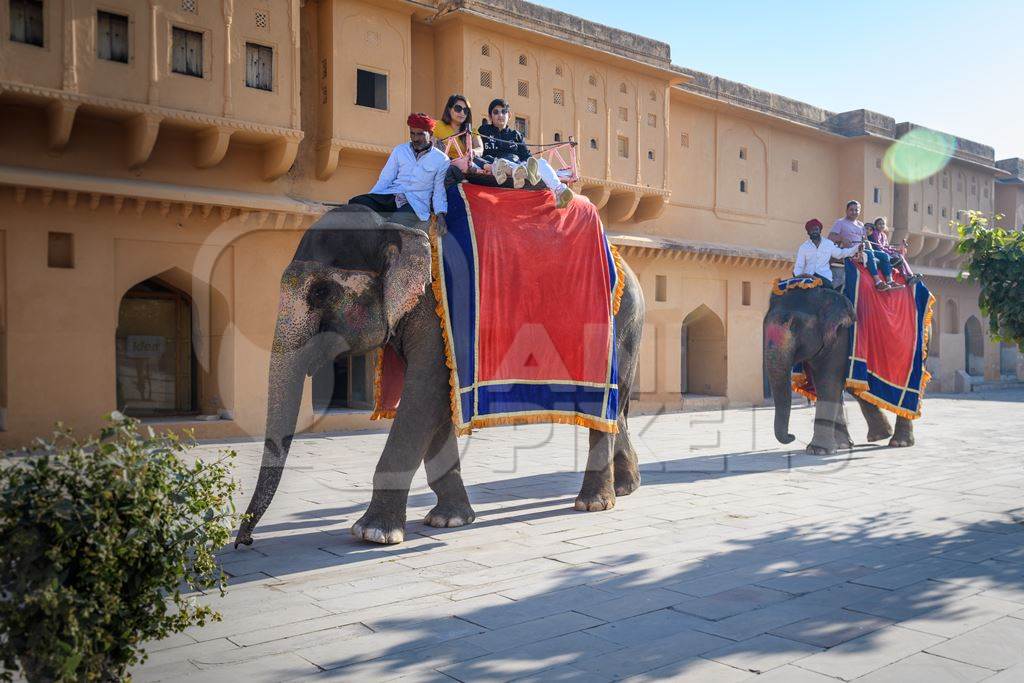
(620, 282)
(436, 275)
(378, 392)
(816, 282)
(597, 424)
(798, 379)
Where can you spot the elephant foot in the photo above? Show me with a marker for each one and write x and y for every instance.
(813, 449)
(595, 502)
(380, 528)
(901, 441)
(879, 436)
(450, 515)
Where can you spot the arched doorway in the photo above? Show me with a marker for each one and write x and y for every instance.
(703, 354)
(156, 364)
(974, 348)
(1008, 356)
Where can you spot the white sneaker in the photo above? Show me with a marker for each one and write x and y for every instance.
(502, 169)
(532, 171)
(519, 177)
(564, 198)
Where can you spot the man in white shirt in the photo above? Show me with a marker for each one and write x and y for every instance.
(812, 258)
(412, 179)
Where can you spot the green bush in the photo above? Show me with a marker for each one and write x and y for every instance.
(100, 537)
(995, 260)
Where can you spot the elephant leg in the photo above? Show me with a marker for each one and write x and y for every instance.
(828, 411)
(842, 431)
(444, 474)
(626, 466)
(878, 425)
(598, 490)
(904, 435)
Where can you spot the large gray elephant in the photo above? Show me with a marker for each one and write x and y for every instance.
(810, 325)
(357, 283)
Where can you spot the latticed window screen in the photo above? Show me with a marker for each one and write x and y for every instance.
(486, 80)
(558, 69)
(558, 97)
(485, 50)
(623, 114)
(522, 60)
(592, 79)
(684, 139)
(591, 105)
(523, 89)
(623, 147)
(262, 19)
(190, 6)
(652, 120)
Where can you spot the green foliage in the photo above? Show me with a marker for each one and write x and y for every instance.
(100, 537)
(995, 260)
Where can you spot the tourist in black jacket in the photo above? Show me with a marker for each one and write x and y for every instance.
(508, 155)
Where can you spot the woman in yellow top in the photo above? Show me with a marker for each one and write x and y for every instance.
(457, 118)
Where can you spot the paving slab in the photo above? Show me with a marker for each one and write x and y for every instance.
(736, 555)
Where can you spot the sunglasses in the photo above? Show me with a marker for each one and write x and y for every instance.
(459, 109)
(495, 112)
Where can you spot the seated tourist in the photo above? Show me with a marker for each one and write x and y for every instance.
(412, 178)
(877, 255)
(847, 231)
(456, 121)
(813, 256)
(508, 155)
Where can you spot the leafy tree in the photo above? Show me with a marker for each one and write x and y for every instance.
(995, 260)
(100, 538)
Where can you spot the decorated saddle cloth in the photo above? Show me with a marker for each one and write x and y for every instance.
(888, 343)
(526, 298)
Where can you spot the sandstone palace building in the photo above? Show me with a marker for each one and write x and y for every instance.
(159, 160)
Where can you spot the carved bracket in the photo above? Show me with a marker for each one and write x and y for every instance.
(211, 144)
(327, 156)
(650, 207)
(142, 132)
(60, 117)
(622, 206)
(598, 196)
(278, 157)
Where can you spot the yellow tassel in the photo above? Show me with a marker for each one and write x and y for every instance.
(378, 391)
(597, 424)
(620, 282)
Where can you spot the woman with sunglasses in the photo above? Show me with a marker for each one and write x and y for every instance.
(505, 150)
(457, 119)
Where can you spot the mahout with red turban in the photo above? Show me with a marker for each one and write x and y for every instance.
(812, 224)
(421, 121)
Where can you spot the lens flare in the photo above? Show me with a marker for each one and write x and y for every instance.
(917, 155)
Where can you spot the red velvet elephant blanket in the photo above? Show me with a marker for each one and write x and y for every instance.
(527, 295)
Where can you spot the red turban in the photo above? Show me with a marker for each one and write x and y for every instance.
(421, 121)
(812, 224)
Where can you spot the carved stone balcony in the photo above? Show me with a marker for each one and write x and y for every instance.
(141, 124)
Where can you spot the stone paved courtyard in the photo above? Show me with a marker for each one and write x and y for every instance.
(736, 559)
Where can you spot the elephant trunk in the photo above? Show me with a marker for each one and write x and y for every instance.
(778, 358)
(287, 376)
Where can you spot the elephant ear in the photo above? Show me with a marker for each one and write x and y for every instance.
(836, 313)
(406, 274)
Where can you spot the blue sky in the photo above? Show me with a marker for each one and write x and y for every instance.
(954, 66)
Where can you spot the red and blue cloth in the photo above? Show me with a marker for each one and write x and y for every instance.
(889, 343)
(527, 295)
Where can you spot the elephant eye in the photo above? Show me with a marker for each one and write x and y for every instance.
(319, 292)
